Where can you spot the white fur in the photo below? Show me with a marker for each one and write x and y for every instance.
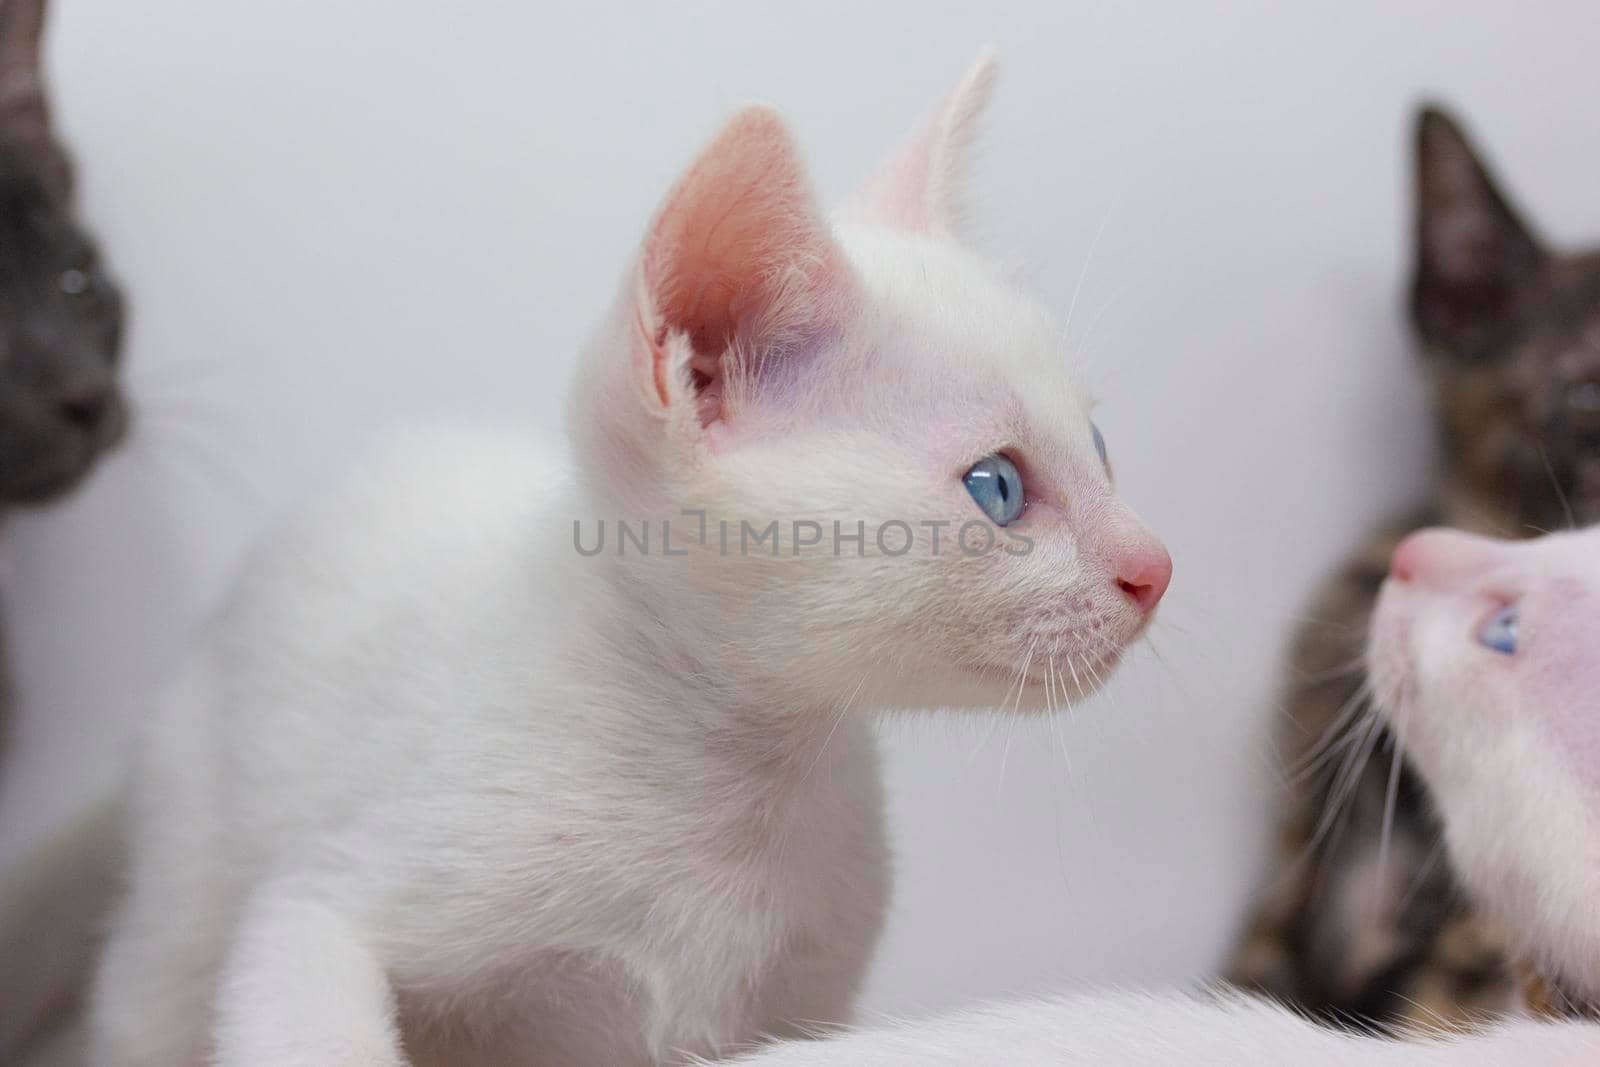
(1508, 744)
(409, 787)
(437, 782)
(1124, 1030)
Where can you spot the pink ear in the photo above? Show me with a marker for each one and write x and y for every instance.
(738, 267)
(918, 188)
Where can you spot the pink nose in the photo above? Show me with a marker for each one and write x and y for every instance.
(1441, 558)
(1144, 574)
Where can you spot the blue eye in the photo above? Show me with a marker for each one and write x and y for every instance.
(1500, 632)
(1100, 445)
(995, 484)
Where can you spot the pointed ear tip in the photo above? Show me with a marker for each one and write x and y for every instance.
(23, 16)
(754, 129)
(1434, 120)
(981, 76)
(756, 118)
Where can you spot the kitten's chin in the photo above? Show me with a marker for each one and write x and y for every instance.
(1045, 685)
(45, 486)
(1073, 679)
(68, 458)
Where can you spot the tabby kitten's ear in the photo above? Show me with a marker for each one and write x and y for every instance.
(1473, 252)
(24, 113)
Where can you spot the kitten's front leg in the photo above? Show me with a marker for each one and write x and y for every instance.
(300, 989)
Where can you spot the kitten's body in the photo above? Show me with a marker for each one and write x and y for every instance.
(541, 855)
(1346, 928)
(441, 781)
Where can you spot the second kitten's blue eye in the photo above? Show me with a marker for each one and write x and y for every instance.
(995, 484)
(1100, 445)
(1500, 632)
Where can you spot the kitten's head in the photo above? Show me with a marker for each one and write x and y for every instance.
(60, 315)
(874, 379)
(1483, 656)
(1512, 330)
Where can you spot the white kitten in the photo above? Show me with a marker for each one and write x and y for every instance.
(1486, 656)
(443, 788)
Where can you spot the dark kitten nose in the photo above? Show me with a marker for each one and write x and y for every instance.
(86, 408)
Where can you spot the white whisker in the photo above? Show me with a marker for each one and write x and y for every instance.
(1088, 260)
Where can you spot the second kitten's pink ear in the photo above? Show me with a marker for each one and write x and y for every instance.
(739, 270)
(919, 187)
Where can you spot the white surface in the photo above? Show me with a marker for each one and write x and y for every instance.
(332, 216)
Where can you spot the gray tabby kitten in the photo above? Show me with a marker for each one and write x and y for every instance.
(1510, 332)
(60, 314)
(60, 410)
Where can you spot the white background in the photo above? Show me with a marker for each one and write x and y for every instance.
(332, 216)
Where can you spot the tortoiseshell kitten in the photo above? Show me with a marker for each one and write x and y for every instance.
(1510, 333)
(60, 314)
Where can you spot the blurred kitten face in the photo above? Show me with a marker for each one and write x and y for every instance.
(1523, 417)
(1484, 657)
(60, 330)
(1513, 340)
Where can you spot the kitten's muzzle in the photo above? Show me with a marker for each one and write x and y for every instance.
(87, 408)
(1444, 559)
(98, 411)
